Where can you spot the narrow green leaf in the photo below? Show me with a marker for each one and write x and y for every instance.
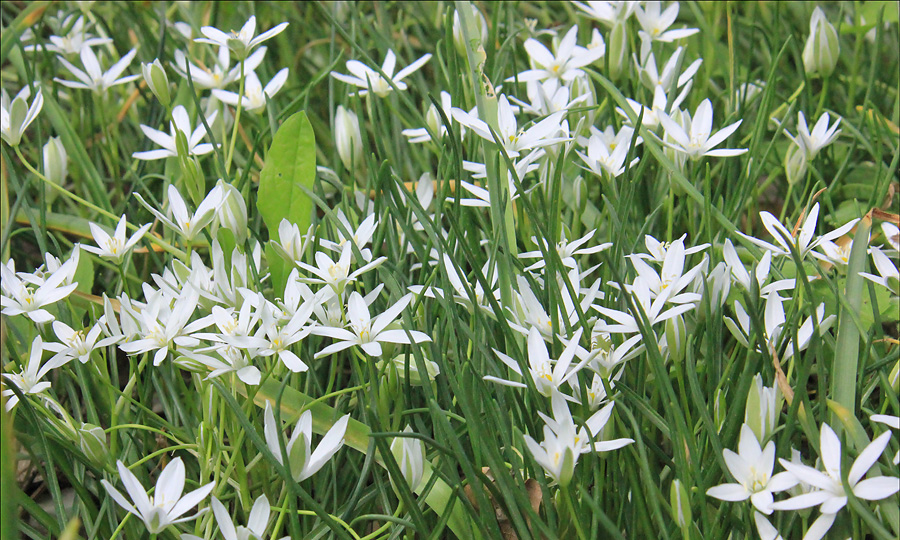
(27, 17)
(7, 476)
(290, 167)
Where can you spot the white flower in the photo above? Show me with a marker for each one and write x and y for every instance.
(822, 135)
(114, 247)
(74, 344)
(760, 273)
(655, 25)
(93, 78)
(891, 421)
(608, 13)
(241, 43)
(291, 244)
(255, 96)
(180, 123)
(511, 138)
(566, 250)
(56, 161)
(157, 80)
(652, 308)
(766, 530)
(337, 275)
(75, 40)
(562, 445)
(651, 78)
(363, 75)
(276, 338)
(830, 495)
(803, 242)
(302, 462)
(366, 332)
(28, 381)
(186, 224)
(434, 121)
(601, 159)
(695, 138)
(220, 74)
(256, 523)
(360, 237)
(17, 115)
(19, 296)
(565, 63)
(752, 468)
(167, 504)
(547, 378)
(762, 409)
(890, 275)
(892, 235)
(409, 453)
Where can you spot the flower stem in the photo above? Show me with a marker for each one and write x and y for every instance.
(237, 122)
(570, 505)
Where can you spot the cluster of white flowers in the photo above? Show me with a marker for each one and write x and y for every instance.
(229, 313)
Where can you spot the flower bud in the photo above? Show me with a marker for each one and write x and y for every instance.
(347, 137)
(795, 163)
(681, 504)
(416, 378)
(478, 38)
(410, 456)
(157, 81)
(719, 409)
(20, 114)
(820, 55)
(763, 406)
(433, 120)
(92, 441)
(676, 335)
(233, 213)
(618, 50)
(56, 165)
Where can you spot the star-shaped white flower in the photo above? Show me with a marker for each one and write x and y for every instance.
(255, 96)
(180, 123)
(167, 504)
(695, 138)
(302, 462)
(752, 468)
(241, 43)
(830, 495)
(822, 135)
(93, 77)
(803, 242)
(17, 115)
(363, 76)
(655, 25)
(567, 61)
(114, 247)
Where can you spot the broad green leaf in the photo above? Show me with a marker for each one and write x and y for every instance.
(290, 167)
(7, 476)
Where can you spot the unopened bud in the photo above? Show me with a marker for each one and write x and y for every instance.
(157, 81)
(719, 409)
(676, 335)
(477, 36)
(820, 55)
(232, 215)
(681, 504)
(618, 50)
(433, 121)
(410, 456)
(56, 164)
(92, 441)
(347, 137)
(795, 164)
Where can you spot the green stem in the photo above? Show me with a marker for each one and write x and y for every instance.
(161, 243)
(237, 121)
(573, 515)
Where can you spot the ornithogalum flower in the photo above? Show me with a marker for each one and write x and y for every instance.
(181, 123)
(695, 138)
(821, 136)
(367, 332)
(93, 77)
(166, 506)
(513, 140)
(28, 381)
(889, 274)
(752, 468)
(114, 247)
(183, 222)
(546, 376)
(243, 42)
(256, 523)
(255, 96)
(563, 444)
(655, 24)
(17, 115)
(820, 54)
(20, 297)
(804, 242)
(347, 137)
(567, 61)
(302, 462)
(830, 494)
(363, 76)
